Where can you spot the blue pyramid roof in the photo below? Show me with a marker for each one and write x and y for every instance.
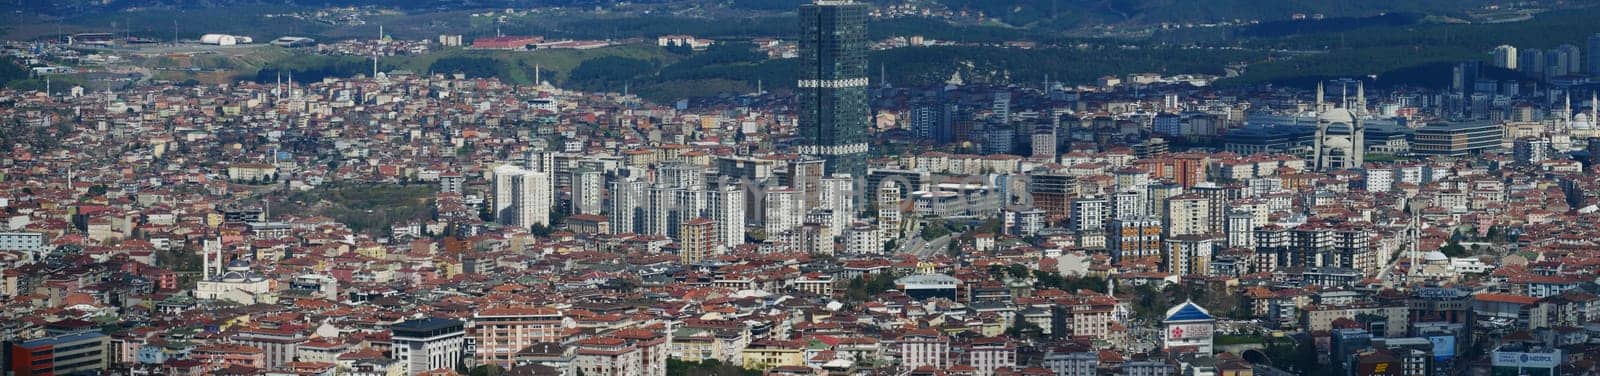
(1188, 311)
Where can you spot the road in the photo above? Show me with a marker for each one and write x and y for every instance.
(924, 248)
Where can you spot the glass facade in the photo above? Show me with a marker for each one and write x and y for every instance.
(832, 87)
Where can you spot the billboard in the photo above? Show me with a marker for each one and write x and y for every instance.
(1444, 347)
(1526, 359)
(1189, 331)
(1387, 368)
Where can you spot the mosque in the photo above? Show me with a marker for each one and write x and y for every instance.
(1340, 151)
(236, 282)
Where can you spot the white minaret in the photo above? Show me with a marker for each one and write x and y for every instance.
(1319, 98)
(1594, 102)
(1361, 98)
(1322, 129)
(211, 257)
(1412, 234)
(1344, 95)
(1566, 113)
(1358, 128)
(1566, 108)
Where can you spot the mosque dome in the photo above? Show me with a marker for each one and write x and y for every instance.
(239, 265)
(1337, 143)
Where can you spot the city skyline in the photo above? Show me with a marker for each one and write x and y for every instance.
(636, 188)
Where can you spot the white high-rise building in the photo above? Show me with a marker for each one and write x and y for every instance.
(920, 348)
(1505, 56)
(1129, 205)
(659, 201)
(1531, 150)
(667, 208)
(588, 195)
(838, 196)
(522, 197)
(542, 161)
(783, 211)
(889, 209)
(679, 175)
(428, 344)
(1241, 229)
(627, 198)
(1187, 214)
(725, 206)
(1088, 214)
(687, 204)
(862, 238)
(1380, 179)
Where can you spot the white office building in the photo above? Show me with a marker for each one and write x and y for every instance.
(428, 344)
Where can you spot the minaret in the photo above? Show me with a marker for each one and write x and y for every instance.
(1358, 128)
(1594, 103)
(205, 260)
(1344, 95)
(1322, 131)
(1361, 98)
(1411, 234)
(1566, 109)
(1319, 99)
(1566, 113)
(211, 258)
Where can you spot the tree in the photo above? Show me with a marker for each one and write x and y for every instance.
(1017, 271)
(1024, 328)
(487, 370)
(541, 230)
(1454, 249)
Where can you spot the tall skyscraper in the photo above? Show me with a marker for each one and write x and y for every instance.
(833, 84)
(783, 211)
(522, 197)
(587, 191)
(627, 201)
(838, 196)
(726, 206)
(1574, 58)
(1594, 54)
(1531, 62)
(1505, 56)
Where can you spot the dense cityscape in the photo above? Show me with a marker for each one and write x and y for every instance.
(373, 219)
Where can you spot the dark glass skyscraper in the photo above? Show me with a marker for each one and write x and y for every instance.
(833, 84)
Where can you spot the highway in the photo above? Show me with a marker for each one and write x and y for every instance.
(924, 248)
